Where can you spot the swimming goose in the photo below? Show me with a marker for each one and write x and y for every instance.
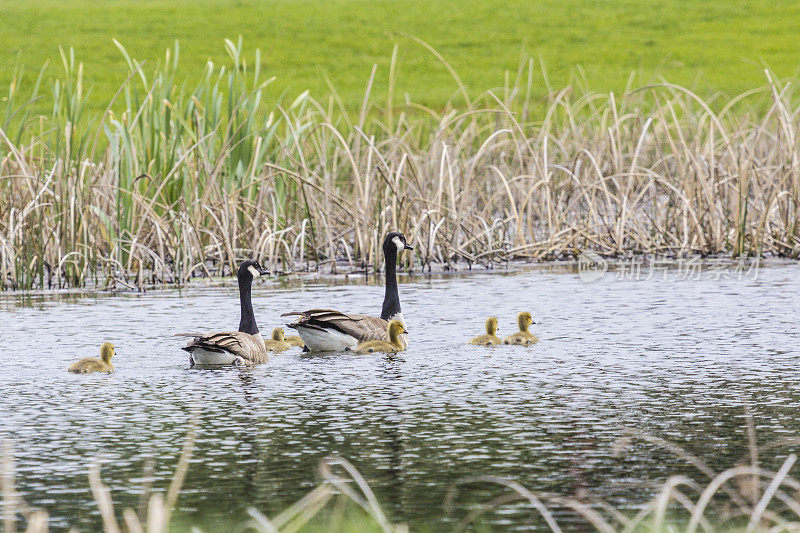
(394, 345)
(491, 338)
(243, 347)
(277, 343)
(87, 365)
(325, 330)
(523, 337)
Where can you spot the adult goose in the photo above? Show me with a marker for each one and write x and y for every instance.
(243, 347)
(326, 330)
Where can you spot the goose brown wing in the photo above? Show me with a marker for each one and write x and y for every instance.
(362, 327)
(236, 342)
(370, 328)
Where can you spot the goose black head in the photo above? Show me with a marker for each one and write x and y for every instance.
(251, 269)
(395, 242)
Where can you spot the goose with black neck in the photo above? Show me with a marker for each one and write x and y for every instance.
(243, 347)
(326, 330)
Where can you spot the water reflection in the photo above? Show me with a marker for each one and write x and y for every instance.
(673, 357)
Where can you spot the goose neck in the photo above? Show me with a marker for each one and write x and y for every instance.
(391, 299)
(247, 322)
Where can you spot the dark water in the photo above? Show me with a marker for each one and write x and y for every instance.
(676, 358)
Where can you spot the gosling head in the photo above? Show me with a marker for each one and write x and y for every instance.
(524, 320)
(395, 242)
(396, 328)
(277, 334)
(491, 325)
(250, 270)
(107, 352)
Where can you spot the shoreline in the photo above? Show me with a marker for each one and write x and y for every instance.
(588, 264)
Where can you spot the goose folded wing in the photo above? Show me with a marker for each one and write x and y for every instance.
(362, 327)
(235, 342)
(365, 328)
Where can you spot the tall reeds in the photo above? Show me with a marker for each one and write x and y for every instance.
(183, 178)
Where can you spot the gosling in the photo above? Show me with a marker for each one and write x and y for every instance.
(295, 340)
(523, 337)
(491, 338)
(277, 343)
(395, 344)
(87, 365)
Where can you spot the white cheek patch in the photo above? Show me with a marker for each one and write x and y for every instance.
(253, 271)
(397, 242)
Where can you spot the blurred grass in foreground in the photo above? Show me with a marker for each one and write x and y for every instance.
(746, 497)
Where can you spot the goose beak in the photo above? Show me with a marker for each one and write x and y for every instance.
(264, 272)
(533, 321)
(408, 247)
(405, 331)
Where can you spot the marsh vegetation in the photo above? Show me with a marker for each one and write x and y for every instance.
(192, 175)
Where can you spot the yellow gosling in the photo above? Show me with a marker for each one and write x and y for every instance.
(395, 344)
(277, 343)
(87, 365)
(491, 338)
(295, 340)
(523, 337)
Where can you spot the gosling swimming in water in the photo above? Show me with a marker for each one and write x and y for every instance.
(294, 340)
(277, 343)
(491, 338)
(395, 344)
(523, 337)
(87, 365)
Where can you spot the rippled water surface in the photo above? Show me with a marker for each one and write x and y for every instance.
(676, 358)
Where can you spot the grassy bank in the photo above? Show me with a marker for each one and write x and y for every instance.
(714, 45)
(195, 174)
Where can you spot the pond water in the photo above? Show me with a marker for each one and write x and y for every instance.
(674, 356)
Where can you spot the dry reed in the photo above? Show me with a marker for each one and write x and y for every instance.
(174, 182)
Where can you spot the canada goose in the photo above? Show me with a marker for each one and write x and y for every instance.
(491, 338)
(87, 365)
(523, 336)
(243, 347)
(325, 330)
(277, 343)
(394, 345)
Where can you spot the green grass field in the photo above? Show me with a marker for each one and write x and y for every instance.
(712, 44)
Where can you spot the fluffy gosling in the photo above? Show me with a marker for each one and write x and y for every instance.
(277, 343)
(523, 337)
(87, 365)
(295, 340)
(395, 344)
(491, 338)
